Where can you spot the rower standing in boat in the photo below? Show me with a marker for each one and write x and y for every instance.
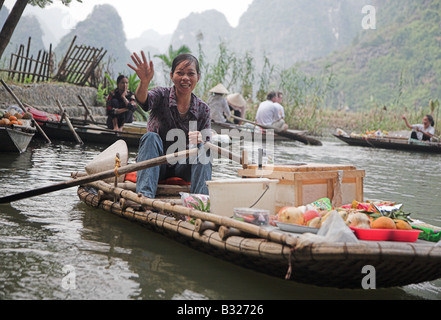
(424, 131)
(120, 105)
(219, 109)
(175, 114)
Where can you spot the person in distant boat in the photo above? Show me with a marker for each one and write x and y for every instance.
(424, 131)
(278, 101)
(176, 114)
(220, 112)
(268, 113)
(237, 105)
(120, 105)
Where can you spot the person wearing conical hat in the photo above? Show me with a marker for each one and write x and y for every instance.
(238, 105)
(219, 109)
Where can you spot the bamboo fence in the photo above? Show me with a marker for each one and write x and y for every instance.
(24, 68)
(79, 64)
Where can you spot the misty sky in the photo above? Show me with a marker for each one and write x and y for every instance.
(162, 16)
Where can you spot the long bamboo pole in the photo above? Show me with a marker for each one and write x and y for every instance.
(196, 214)
(101, 175)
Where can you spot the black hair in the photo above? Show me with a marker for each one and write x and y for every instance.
(120, 77)
(432, 123)
(185, 57)
(271, 95)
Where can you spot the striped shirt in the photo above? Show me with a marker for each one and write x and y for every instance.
(164, 115)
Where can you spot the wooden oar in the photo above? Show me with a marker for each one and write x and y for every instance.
(88, 112)
(24, 110)
(100, 176)
(224, 152)
(69, 124)
(287, 134)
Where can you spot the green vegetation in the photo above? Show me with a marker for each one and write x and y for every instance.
(373, 78)
(398, 65)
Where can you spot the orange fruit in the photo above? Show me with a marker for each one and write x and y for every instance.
(12, 118)
(402, 225)
(13, 122)
(383, 223)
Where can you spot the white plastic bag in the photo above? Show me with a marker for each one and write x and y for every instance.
(334, 229)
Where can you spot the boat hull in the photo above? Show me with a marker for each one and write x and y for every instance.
(14, 140)
(236, 132)
(338, 265)
(390, 143)
(61, 132)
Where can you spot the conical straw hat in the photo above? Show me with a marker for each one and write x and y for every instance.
(236, 100)
(219, 89)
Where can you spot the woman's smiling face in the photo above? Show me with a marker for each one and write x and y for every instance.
(185, 77)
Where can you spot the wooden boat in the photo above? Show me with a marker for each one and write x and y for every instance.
(238, 132)
(16, 138)
(251, 132)
(56, 129)
(390, 142)
(268, 249)
(88, 132)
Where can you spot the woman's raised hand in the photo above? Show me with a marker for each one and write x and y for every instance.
(143, 69)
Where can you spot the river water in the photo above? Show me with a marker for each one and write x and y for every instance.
(55, 247)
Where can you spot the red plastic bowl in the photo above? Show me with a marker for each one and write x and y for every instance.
(386, 234)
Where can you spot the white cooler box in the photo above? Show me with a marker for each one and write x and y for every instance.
(227, 194)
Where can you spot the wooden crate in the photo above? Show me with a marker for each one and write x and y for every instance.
(303, 184)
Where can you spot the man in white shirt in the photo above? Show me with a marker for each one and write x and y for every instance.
(268, 113)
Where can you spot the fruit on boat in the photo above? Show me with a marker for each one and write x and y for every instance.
(383, 223)
(291, 215)
(358, 220)
(315, 222)
(310, 214)
(402, 225)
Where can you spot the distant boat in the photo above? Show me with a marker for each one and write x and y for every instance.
(89, 133)
(236, 131)
(96, 133)
(389, 142)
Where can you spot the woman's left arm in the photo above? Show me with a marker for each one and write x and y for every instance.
(427, 133)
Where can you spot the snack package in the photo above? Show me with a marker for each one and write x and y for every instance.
(199, 202)
(322, 204)
(258, 217)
